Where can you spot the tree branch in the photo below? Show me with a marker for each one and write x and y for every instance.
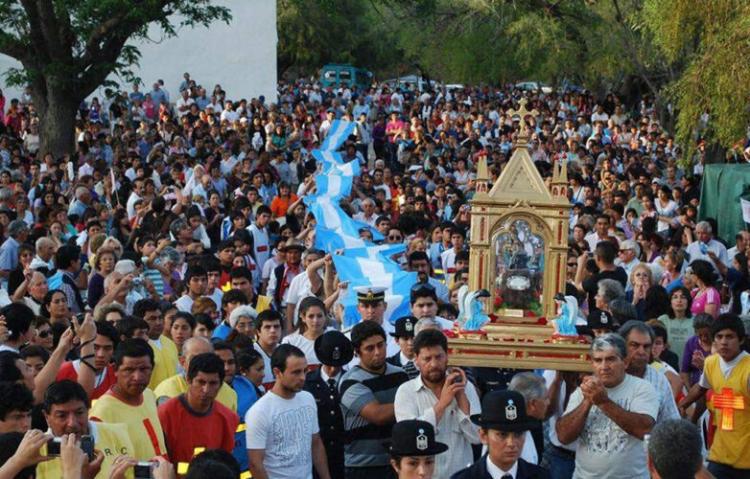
(12, 46)
(35, 29)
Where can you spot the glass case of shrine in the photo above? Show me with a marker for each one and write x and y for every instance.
(519, 261)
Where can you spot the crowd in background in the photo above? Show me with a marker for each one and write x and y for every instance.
(164, 281)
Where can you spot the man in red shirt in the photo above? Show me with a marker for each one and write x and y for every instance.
(101, 363)
(195, 421)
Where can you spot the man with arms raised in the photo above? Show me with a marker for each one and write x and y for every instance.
(609, 413)
(283, 440)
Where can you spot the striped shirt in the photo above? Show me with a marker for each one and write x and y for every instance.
(358, 388)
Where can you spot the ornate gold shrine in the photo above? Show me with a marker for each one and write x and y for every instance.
(519, 243)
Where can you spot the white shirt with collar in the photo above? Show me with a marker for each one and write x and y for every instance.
(496, 473)
(414, 400)
(326, 377)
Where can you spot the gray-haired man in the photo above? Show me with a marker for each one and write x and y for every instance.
(609, 413)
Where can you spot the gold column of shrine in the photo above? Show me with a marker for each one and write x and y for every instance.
(519, 244)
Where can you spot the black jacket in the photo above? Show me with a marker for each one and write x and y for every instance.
(478, 470)
(330, 421)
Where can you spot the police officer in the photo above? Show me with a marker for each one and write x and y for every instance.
(404, 334)
(502, 428)
(334, 350)
(371, 307)
(413, 449)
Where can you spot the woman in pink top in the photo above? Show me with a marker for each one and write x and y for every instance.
(706, 298)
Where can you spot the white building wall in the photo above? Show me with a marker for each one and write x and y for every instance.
(241, 56)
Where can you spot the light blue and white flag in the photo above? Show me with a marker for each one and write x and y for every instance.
(333, 186)
(381, 252)
(337, 135)
(329, 215)
(328, 158)
(351, 168)
(331, 241)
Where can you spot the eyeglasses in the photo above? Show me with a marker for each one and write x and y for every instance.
(395, 238)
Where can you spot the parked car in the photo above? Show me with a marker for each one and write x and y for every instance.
(534, 86)
(336, 75)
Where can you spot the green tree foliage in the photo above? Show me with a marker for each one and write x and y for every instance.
(315, 32)
(712, 39)
(68, 48)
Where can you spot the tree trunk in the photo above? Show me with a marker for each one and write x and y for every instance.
(57, 116)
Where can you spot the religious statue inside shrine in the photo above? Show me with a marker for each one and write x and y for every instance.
(519, 241)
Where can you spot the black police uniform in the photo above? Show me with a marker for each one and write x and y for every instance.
(330, 421)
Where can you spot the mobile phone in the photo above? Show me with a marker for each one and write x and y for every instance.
(87, 446)
(80, 317)
(53, 447)
(143, 470)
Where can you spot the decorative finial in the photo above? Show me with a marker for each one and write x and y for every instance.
(523, 133)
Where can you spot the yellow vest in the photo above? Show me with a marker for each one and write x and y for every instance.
(111, 439)
(142, 423)
(730, 405)
(165, 361)
(177, 384)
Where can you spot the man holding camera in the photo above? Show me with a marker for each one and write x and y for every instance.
(444, 398)
(66, 409)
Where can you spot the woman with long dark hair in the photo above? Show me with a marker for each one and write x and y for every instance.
(706, 298)
(677, 320)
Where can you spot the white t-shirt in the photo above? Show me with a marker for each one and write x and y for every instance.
(284, 429)
(185, 303)
(306, 345)
(268, 377)
(606, 451)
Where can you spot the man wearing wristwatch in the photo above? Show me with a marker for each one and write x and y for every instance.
(96, 355)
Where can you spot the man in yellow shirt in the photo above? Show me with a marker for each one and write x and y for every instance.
(131, 403)
(176, 385)
(726, 375)
(66, 408)
(165, 351)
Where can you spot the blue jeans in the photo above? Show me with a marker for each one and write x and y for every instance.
(561, 465)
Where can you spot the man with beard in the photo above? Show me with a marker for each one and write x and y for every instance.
(367, 394)
(130, 402)
(444, 398)
(66, 408)
(283, 438)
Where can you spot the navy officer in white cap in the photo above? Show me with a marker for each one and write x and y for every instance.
(413, 449)
(502, 428)
(371, 306)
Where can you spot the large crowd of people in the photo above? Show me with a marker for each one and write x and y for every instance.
(167, 313)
